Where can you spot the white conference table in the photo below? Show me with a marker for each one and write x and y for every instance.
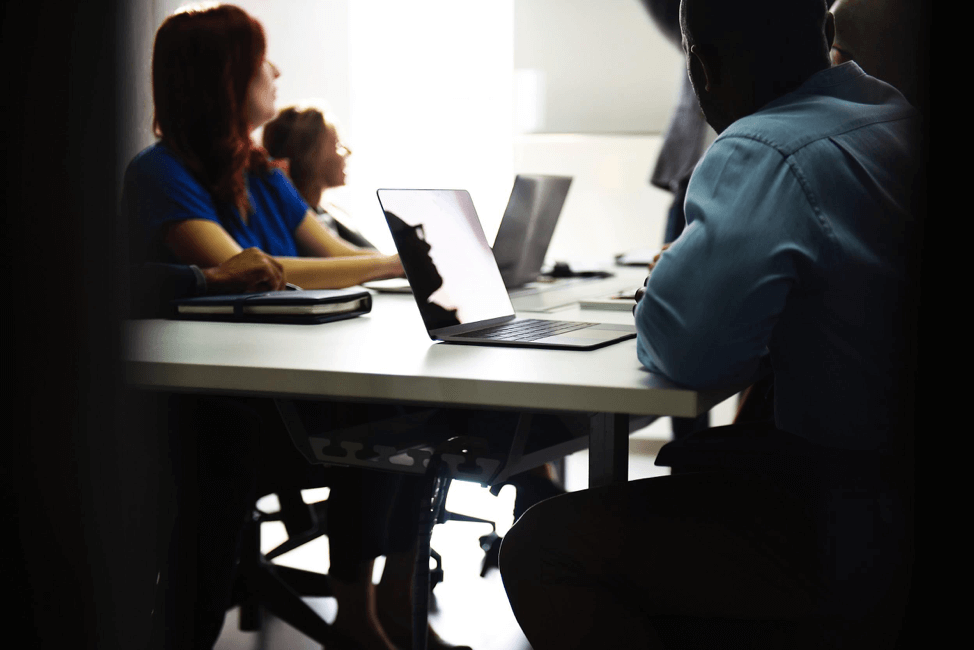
(387, 357)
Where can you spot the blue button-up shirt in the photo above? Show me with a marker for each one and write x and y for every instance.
(798, 227)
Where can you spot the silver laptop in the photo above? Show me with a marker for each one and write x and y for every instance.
(456, 282)
(524, 233)
(528, 224)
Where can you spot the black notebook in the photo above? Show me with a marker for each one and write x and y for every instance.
(299, 307)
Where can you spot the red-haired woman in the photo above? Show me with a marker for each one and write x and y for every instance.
(205, 191)
(199, 196)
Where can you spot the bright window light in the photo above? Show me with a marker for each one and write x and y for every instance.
(431, 104)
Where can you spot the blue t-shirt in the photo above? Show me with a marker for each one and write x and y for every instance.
(798, 225)
(159, 189)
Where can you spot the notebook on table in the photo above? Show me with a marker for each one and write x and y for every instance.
(457, 284)
(292, 307)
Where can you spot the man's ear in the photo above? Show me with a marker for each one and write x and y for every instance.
(703, 64)
(830, 28)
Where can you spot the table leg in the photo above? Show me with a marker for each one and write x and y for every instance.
(608, 449)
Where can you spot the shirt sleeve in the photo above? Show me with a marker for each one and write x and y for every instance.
(154, 286)
(714, 297)
(160, 190)
(292, 205)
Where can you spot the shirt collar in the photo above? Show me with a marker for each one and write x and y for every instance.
(833, 76)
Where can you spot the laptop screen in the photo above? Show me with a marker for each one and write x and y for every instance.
(443, 248)
(528, 224)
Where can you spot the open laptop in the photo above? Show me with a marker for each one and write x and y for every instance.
(456, 281)
(528, 224)
(524, 233)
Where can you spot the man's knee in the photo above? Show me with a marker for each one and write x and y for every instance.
(521, 550)
(518, 547)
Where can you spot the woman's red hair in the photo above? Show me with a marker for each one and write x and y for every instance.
(202, 64)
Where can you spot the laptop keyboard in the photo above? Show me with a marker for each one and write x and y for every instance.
(529, 329)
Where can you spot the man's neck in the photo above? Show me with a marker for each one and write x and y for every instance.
(770, 91)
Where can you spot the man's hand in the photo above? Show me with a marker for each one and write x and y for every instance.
(641, 291)
(246, 272)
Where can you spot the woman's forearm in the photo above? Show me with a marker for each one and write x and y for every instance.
(205, 243)
(339, 272)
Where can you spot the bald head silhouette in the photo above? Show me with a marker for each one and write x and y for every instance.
(740, 56)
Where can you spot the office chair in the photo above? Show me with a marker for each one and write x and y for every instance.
(261, 584)
(423, 442)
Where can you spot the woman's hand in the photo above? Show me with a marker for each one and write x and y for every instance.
(395, 266)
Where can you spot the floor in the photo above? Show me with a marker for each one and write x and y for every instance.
(469, 609)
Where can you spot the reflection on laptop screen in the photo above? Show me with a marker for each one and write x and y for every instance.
(445, 253)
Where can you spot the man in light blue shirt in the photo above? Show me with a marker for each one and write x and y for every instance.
(796, 258)
(798, 227)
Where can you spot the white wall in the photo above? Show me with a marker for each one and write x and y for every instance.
(603, 66)
(431, 91)
(611, 208)
(308, 40)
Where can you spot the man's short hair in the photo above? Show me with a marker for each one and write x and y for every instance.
(775, 29)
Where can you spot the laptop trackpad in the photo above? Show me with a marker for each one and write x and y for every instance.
(585, 336)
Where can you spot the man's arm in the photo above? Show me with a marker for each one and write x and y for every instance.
(156, 285)
(713, 298)
(247, 272)
(160, 283)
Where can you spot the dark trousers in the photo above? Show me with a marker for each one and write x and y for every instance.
(370, 513)
(714, 558)
(221, 454)
(212, 448)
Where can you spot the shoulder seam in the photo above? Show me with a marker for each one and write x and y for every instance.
(756, 138)
(823, 222)
(856, 125)
(788, 159)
